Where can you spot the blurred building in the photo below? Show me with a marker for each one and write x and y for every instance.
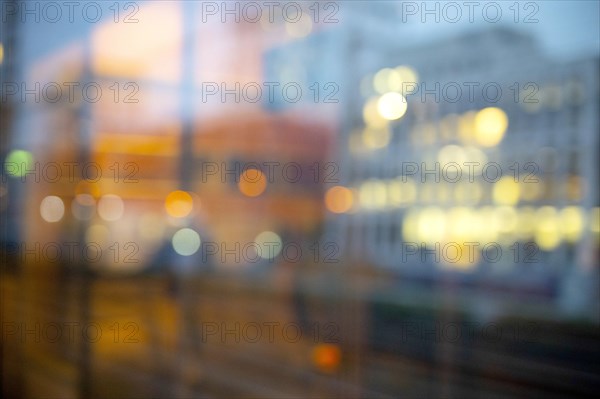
(151, 171)
(152, 132)
(537, 132)
(485, 99)
(519, 128)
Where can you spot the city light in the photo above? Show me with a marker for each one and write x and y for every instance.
(392, 106)
(431, 225)
(372, 194)
(407, 74)
(526, 223)
(506, 191)
(52, 209)
(461, 225)
(466, 127)
(269, 244)
(179, 204)
(327, 357)
(489, 224)
(571, 223)
(452, 153)
(339, 199)
(252, 182)
(547, 230)
(371, 115)
(401, 193)
(490, 126)
(410, 226)
(186, 242)
(111, 207)
(505, 222)
(18, 162)
(387, 80)
(394, 79)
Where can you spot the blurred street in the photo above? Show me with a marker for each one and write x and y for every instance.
(174, 343)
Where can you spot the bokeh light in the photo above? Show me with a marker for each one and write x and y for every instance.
(186, 242)
(402, 192)
(407, 74)
(52, 209)
(111, 207)
(387, 80)
(461, 225)
(572, 223)
(252, 182)
(490, 126)
(179, 204)
(339, 199)
(526, 223)
(431, 225)
(452, 153)
(269, 244)
(18, 162)
(392, 106)
(373, 194)
(371, 115)
(327, 357)
(506, 191)
(547, 229)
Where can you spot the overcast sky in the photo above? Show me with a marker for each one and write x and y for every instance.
(566, 29)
